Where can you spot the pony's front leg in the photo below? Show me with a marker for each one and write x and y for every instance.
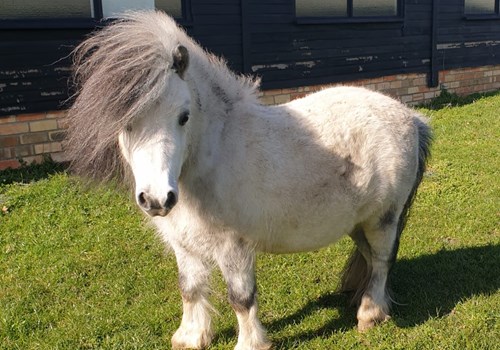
(195, 331)
(236, 260)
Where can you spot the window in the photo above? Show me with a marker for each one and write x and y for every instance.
(481, 8)
(24, 9)
(173, 8)
(321, 8)
(79, 13)
(361, 10)
(113, 8)
(374, 8)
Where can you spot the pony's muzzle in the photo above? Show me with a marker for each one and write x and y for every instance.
(153, 206)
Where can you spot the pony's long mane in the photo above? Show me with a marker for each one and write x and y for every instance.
(119, 72)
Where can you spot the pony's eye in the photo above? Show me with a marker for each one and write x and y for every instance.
(128, 127)
(183, 119)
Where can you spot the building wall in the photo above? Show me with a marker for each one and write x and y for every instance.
(411, 89)
(27, 138)
(465, 41)
(432, 35)
(216, 25)
(265, 38)
(35, 56)
(35, 67)
(288, 53)
(30, 137)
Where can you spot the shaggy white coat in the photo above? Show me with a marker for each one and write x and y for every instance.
(248, 177)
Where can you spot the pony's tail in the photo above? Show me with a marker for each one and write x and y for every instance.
(356, 274)
(424, 152)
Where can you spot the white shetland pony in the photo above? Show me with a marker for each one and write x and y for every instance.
(223, 176)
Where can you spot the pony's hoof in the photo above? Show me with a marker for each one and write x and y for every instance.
(365, 325)
(371, 313)
(191, 339)
(263, 346)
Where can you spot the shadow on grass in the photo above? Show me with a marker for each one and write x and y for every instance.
(428, 286)
(340, 302)
(447, 99)
(29, 173)
(432, 285)
(336, 301)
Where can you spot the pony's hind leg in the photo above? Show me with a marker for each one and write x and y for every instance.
(195, 331)
(382, 239)
(236, 260)
(357, 271)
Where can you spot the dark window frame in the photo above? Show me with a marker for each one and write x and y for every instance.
(350, 18)
(479, 16)
(81, 23)
(187, 17)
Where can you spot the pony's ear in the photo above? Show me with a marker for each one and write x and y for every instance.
(180, 60)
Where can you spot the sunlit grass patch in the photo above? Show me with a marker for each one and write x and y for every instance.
(80, 269)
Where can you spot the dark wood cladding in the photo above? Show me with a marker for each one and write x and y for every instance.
(34, 68)
(265, 38)
(430, 36)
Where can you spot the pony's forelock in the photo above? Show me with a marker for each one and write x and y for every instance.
(118, 72)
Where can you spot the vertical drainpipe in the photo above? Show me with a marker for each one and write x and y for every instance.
(434, 74)
(245, 37)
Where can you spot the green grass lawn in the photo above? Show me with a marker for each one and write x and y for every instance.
(79, 269)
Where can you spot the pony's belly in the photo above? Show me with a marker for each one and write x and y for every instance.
(290, 240)
(303, 229)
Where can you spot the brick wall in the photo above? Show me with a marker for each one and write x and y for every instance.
(411, 89)
(31, 136)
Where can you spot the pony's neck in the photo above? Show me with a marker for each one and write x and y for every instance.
(218, 95)
(215, 87)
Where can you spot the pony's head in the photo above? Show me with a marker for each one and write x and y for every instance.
(154, 144)
(133, 106)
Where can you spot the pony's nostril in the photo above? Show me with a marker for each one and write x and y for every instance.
(142, 200)
(171, 200)
(153, 207)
